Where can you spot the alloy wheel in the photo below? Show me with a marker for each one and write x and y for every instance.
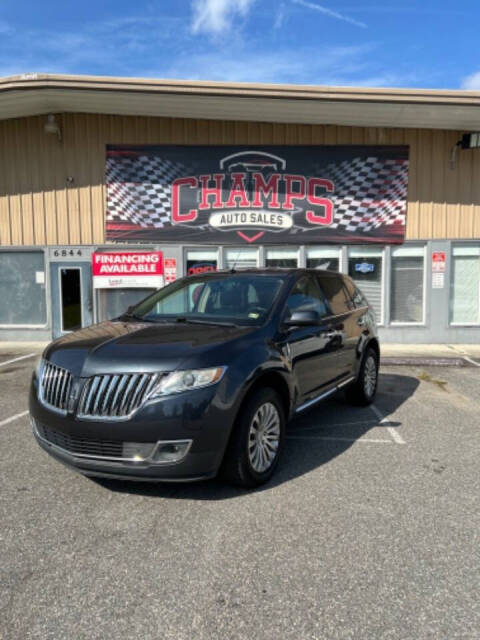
(370, 376)
(264, 437)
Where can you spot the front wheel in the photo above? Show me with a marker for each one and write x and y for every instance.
(254, 448)
(362, 392)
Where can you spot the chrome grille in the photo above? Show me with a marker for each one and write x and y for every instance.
(55, 385)
(80, 446)
(115, 396)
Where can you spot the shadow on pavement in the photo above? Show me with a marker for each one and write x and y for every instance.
(308, 444)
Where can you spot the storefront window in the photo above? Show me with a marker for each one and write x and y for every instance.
(243, 258)
(365, 267)
(465, 286)
(406, 293)
(323, 258)
(286, 258)
(22, 288)
(111, 303)
(201, 261)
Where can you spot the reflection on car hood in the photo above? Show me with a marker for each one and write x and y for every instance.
(119, 346)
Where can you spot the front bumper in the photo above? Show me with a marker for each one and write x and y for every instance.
(197, 416)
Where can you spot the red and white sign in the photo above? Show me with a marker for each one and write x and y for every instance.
(170, 270)
(128, 269)
(439, 261)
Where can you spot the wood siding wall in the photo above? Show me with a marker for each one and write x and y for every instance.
(38, 206)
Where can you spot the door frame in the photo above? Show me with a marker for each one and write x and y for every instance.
(86, 294)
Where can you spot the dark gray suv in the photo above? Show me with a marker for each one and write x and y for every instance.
(201, 377)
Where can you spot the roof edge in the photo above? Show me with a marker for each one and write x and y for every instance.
(45, 81)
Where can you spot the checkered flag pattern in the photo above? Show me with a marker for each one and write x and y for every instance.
(139, 189)
(377, 193)
(369, 192)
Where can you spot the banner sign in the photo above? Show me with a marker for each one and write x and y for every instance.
(264, 194)
(130, 269)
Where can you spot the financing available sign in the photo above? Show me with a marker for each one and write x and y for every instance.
(129, 269)
(267, 194)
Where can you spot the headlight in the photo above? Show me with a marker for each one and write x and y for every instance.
(179, 381)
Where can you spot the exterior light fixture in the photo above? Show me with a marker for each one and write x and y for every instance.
(51, 126)
(468, 141)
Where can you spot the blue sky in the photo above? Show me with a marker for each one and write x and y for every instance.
(425, 43)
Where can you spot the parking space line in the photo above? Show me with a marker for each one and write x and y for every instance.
(397, 438)
(341, 439)
(468, 359)
(12, 418)
(30, 355)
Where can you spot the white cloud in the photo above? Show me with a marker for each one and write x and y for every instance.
(472, 82)
(279, 16)
(330, 66)
(216, 16)
(329, 12)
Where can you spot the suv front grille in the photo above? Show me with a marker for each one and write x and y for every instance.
(80, 446)
(115, 395)
(55, 386)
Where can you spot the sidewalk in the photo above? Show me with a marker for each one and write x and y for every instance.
(431, 354)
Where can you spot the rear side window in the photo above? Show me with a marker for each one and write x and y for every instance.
(306, 296)
(355, 294)
(335, 292)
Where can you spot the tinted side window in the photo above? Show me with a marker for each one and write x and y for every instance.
(355, 294)
(334, 290)
(305, 296)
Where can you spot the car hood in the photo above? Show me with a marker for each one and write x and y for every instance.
(124, 347)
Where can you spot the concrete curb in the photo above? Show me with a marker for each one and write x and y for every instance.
(425, 362)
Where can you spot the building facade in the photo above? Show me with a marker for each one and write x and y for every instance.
(53, 201)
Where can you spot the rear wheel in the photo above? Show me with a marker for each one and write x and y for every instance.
(362, 392)
(256, 441)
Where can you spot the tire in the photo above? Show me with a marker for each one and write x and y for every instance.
(247, 462)
(362, 392)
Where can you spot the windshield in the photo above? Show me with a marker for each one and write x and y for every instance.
(240, 299)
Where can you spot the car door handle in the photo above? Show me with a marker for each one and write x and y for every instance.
(329, 334)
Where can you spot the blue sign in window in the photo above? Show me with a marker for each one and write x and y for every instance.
(365, 267)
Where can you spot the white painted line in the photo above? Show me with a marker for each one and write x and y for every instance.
(468, 359)
(30, 355)
(337, 424)
(13, 418)
(382, 419)
(339, 438)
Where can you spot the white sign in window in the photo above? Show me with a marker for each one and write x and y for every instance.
(465, 286)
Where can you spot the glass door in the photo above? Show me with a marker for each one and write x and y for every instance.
(71, 286)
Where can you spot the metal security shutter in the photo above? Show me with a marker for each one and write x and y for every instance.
(465, 287)
(365, 267)
(241, 258)
(287, 258)
(406, 299)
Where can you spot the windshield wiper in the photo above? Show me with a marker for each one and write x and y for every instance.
(197, 321)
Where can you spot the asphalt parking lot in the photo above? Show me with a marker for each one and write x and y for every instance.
(370, 529)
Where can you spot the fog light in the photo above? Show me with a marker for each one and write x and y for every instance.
(172, 451)
(137, 451)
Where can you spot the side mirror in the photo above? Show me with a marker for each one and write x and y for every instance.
(303, 319)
